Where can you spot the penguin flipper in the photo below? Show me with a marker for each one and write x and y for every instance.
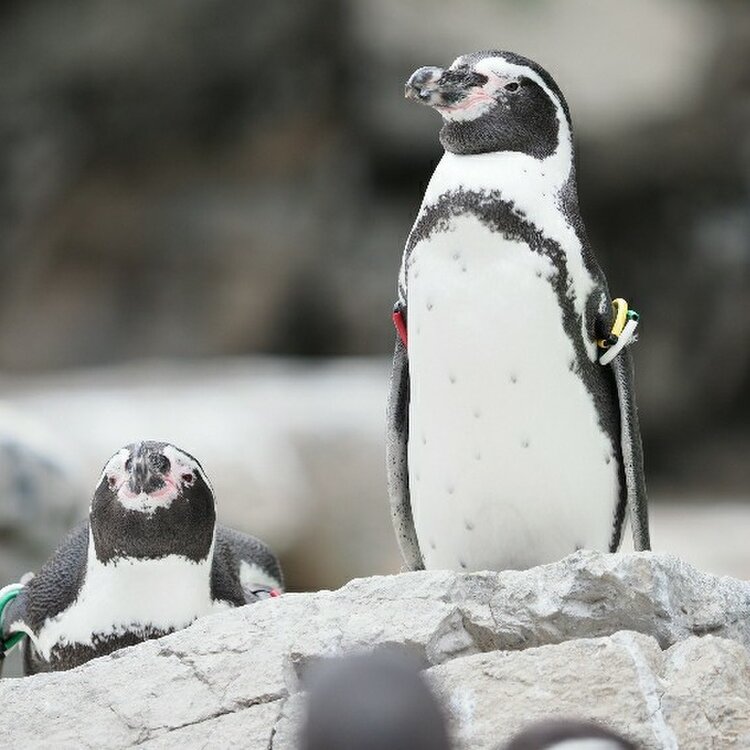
(632, 450)
(57, 584)
(48, 593)
(397, 441)
(242, 567)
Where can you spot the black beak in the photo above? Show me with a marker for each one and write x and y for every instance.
(422, 83)
(438, 87)
(145, 469)
(139, 473)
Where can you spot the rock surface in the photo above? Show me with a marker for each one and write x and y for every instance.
(41, 492)
(643, 643)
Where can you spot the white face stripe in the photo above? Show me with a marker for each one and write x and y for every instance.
(114, 467)
(501, 68)
(116, 460)
(252, 576)
(184, 464)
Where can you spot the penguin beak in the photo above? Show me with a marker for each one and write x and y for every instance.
(145, 475)
(422, 84)
(437, 87)
(140, 473)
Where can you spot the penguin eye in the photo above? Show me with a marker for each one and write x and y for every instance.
(111, 481)
(512, 86)
(188, 478)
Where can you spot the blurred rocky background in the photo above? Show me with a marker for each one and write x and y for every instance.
(202, 210)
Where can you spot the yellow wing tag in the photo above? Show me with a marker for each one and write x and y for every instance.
(623, 330)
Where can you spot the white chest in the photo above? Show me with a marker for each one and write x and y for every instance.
(130, 596)
(508, 465)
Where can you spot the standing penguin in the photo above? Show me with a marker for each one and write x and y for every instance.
(513, 437)
(149, 560)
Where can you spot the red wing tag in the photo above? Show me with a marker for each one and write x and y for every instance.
(400, 323)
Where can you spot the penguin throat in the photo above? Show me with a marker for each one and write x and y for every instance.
(184, 528)
(147, 502)
(536, 133)
(522, 178)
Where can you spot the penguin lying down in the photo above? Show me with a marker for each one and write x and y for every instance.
(150, 560)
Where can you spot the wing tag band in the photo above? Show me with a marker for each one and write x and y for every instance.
(623, 331)
(7, 595)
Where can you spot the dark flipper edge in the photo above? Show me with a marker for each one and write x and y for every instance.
(397, 441)
(632, 450)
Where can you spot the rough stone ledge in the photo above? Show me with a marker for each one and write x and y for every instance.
(236, 677)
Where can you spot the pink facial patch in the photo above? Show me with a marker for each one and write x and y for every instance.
(472, 100)
(167, 489)
(480, 99)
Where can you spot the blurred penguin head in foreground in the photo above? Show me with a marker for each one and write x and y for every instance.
(376, 701)
(568, 734)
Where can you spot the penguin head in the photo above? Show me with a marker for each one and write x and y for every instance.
(374, 701)
(152, 500)
(568, 734)
(495, 101)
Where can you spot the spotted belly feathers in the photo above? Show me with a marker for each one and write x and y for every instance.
(509, 464)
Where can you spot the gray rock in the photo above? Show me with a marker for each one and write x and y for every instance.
(41, 493)
(612, 638)
(41, 497)
(695, 694)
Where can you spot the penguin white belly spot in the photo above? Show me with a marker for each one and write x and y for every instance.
(509, 466)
